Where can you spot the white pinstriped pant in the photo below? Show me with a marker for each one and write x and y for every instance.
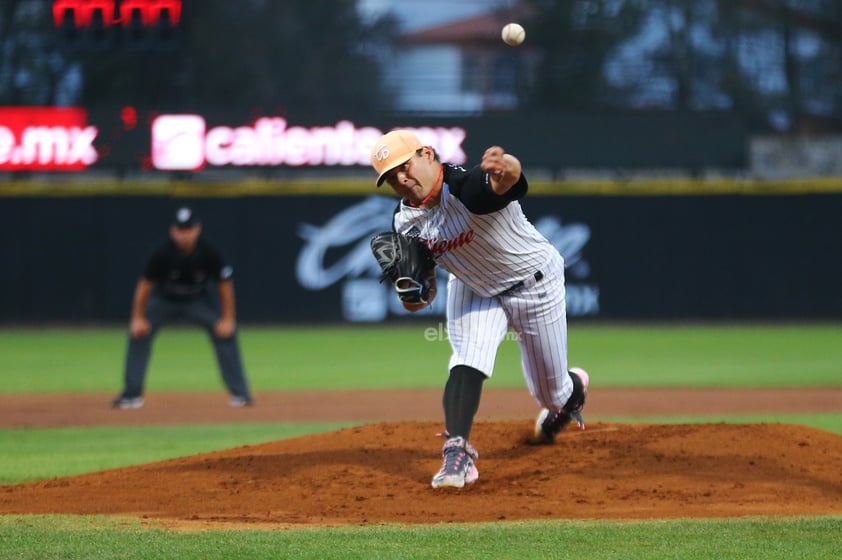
(537, 315)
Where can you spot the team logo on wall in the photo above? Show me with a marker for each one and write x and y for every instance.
(365, 299)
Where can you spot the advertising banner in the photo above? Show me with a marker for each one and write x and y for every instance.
(306, 259)
(185, 142)
(160, 143)
(46, 139)
(335, 257)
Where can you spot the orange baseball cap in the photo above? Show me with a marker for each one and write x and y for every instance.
(393, 149)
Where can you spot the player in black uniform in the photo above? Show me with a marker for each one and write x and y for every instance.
(174, 287)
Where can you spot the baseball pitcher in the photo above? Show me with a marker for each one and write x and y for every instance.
(503, 274)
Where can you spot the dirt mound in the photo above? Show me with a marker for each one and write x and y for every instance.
(380, 473)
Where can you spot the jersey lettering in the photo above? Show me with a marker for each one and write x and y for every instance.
(445, 245)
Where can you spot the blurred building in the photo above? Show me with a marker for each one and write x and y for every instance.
(464, 65)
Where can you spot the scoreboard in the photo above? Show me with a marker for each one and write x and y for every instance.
(100, 24)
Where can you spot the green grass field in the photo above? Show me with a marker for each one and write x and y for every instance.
(288, 359)
(299, 358)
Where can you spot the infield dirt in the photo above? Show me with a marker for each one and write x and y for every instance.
(379, 471)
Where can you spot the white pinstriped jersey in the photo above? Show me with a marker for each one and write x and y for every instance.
(482, 238)
(487, 245)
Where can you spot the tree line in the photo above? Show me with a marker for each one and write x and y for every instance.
(777, 63)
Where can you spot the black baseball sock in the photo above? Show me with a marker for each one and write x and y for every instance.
(461, 400)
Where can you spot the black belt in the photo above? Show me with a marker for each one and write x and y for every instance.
(538, 276)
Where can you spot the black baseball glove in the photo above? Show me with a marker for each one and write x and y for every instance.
(407, 263)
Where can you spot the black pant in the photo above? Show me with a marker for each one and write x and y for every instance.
(160, 311)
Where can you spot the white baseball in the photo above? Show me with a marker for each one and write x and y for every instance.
(513, 34)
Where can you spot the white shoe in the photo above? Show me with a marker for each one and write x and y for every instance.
(127, 403)
(236, 401)
(458, 468)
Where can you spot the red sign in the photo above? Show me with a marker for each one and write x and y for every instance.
(114, 12)
(46, 139)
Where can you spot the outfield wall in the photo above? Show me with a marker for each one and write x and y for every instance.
(654, 254)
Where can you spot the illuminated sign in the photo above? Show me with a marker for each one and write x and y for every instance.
(184, 142)
(149, 13)
(178, 142)
(46, 139)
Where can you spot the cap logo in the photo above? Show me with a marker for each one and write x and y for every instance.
(382, 152)
(183, 215)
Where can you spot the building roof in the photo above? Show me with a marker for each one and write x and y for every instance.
(482, 29)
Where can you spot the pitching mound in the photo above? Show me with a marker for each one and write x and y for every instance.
(381, 473)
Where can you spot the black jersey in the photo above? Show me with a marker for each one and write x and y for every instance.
(183, 277)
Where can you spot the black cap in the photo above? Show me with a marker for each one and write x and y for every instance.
(185, 218)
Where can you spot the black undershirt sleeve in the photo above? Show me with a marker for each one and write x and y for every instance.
(473, 188)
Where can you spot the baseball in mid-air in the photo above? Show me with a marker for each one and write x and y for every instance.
(513, 34)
